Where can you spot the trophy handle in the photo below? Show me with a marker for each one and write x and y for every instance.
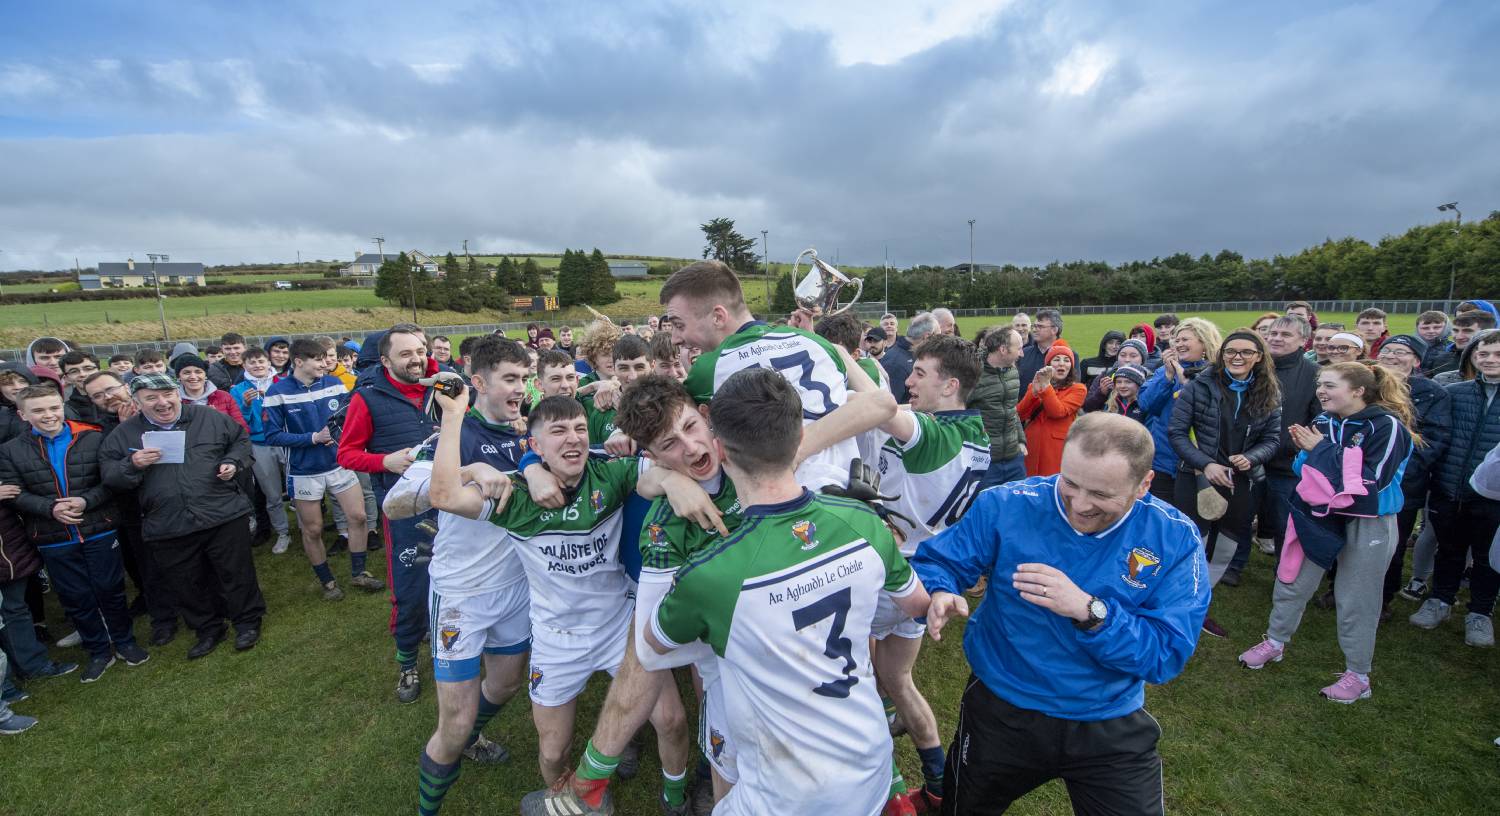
(859, 288)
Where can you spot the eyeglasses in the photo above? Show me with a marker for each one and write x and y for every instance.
(1241, 354)
(1340, 349)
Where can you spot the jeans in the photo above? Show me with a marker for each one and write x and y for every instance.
(90, 581)
(1464, 529)
(19, 636)
(1004, 470)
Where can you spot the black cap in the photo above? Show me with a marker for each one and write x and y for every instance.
(876, 333)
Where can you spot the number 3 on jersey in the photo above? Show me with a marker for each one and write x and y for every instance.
(837, 647)
(806, 382)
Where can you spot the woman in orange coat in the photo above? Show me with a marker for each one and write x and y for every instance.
(1052, 402)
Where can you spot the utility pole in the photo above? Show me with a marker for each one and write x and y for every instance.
(971, 250)
(766, 257)
(466, 249)
(161, 309)
(1458, 223)
(886, 265)
(379, 248)
(411, 280)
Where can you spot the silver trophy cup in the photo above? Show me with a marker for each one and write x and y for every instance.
(820, 287)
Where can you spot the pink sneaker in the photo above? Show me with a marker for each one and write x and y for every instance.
(1347, 689)
(1262, 653)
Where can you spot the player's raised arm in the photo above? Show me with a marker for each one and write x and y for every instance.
(447, 491)
(862, 411)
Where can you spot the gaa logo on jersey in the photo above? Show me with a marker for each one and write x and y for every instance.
(715, 742)
(596, 500)
(523, 444)
(806, 532)
(1137, 563)
(536, 677)
(448, 635)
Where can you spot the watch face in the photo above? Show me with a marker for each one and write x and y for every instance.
(1098, 609)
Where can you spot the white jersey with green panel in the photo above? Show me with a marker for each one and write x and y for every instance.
(572, 555)
(811, 364)
(936, 474)
(787, 602)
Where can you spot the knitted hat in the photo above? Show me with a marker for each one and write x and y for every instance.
(1059, 348)
(1132, 372)
(188, 361)
(152, 382)
(1139, 344)
(1417, 347)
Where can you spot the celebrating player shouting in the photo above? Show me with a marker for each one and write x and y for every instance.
(580, 596)
(705, 308)
(787, 602)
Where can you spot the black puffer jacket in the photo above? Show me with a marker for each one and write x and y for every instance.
(1197, 411)
(11, 424)
(18, 557)
(79, 407)
(1475, 431)
(1434, 410)
(178, 500)
(1299, 404)
(26, 461)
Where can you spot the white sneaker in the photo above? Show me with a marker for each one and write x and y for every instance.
(1430, 614)
(1267, 545)
(283, 541)
(1479, 630)
(70, 641)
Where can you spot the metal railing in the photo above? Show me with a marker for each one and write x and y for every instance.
(864, 310)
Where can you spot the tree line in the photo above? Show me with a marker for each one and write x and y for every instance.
(1414, 265)
(465, 286)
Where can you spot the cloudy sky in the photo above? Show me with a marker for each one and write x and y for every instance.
(251, 131)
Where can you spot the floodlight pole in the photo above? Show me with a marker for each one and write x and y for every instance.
(971, 250)
(1458, 223)
(161, 308)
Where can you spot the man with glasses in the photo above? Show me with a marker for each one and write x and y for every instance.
(1045, 330)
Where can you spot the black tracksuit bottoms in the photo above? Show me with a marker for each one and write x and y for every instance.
(1001, 752)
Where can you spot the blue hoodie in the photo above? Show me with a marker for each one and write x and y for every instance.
(1148, 568)
(251, 409)
(293, 412)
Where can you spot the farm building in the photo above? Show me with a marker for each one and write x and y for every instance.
(628, 270)
(119, 275)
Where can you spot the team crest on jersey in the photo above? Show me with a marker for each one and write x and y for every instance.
(806, 532)
(596, 501)
(656, 534)
(448, 634)
(1354, 441)
(1137, 563)
(333, 404)
(524, 444)
(715, 742)
(536, 677)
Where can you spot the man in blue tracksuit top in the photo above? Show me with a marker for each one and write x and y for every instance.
(296, 410)
(1096, 588)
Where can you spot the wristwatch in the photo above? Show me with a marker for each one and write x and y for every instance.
(1098, 610)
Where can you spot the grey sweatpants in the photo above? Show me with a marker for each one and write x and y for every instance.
(1368, 546)
(270, 474)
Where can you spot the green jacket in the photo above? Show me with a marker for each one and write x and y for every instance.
(995, 398)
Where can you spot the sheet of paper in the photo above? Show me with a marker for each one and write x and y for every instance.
(173, 445)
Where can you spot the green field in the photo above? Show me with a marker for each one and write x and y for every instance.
(1083, 332)
(306, 723)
